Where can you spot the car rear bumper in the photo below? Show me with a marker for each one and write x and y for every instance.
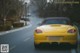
(70, 42)
(62, 45)
(71, 39)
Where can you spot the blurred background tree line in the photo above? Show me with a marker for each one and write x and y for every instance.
(53, 8)
(10, 12)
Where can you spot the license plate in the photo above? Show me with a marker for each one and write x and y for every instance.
(54, 38)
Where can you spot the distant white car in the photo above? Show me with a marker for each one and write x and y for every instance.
(28, 14)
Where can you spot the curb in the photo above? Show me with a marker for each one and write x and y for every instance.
(14, 30)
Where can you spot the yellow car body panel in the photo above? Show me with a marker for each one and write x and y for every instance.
(55, 33)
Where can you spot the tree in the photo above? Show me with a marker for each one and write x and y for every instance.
(40, 5)
(10, 9)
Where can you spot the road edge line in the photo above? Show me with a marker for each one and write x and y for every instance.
(14, 30)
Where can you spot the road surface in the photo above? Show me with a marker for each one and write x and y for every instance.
(23, 42)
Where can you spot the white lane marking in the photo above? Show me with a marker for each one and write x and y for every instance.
(73, 51)
(15, 45)
(12, 47)
(27, 39)
(14, 30)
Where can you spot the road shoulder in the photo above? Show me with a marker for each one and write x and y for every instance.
(14, 30)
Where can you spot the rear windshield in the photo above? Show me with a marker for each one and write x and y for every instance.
(55, 21)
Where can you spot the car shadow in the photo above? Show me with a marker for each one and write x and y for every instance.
(51, 48)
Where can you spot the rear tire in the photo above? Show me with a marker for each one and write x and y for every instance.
(36, 46)
(75, 46)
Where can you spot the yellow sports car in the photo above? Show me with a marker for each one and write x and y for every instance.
(57, 30)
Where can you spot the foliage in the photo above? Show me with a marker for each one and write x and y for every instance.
(59, 10)
(40, 5)
(10, 8)
(18, 24)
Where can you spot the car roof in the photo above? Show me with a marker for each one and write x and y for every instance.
(57, 18)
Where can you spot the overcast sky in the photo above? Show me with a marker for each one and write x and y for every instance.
(27, 1)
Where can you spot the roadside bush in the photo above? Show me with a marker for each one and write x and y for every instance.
(1, 28)
(5, 27)
(18, 24)
(8, 25)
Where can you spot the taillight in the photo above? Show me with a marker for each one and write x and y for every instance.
(71, 31)
(38, 31)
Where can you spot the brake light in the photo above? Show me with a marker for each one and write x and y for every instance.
(38, 31)
(71, 31)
